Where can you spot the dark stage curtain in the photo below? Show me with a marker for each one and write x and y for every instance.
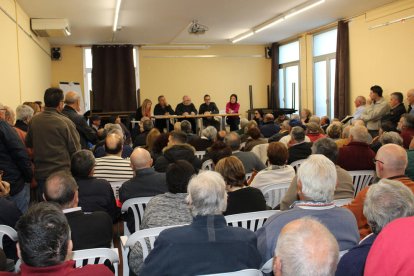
(113, 78)
(341, 100)
(274, 86)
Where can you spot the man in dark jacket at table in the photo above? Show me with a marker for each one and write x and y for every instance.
(187, 108)
(163, 108)
(207, 108)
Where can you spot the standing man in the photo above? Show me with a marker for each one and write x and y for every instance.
(360, 104)
(162, 108)
(53, 138)
(410, 98)
(397, 109)
(187, 108)
(208, 108)
(71, 109)
(373, 113)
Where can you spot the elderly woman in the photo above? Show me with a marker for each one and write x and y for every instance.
(241, 198)
(278, 171)
(385, 202)
(254, 139)
(24, 114)
(207, 245)
(208, 136)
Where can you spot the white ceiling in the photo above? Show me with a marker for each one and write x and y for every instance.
(166, 21)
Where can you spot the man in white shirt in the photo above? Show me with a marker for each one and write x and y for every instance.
(360, 103)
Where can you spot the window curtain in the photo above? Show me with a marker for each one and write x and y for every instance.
(274, 87)
(341, 99)
(113, 78)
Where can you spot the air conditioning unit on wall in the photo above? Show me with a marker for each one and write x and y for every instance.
(50, 27)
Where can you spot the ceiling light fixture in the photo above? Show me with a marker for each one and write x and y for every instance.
(117, 8)
(276, 20)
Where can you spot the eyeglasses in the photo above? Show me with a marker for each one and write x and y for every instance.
(376, 160)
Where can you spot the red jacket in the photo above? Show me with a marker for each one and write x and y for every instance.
(356, 156)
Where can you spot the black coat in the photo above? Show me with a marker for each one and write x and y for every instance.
(269, 129)
(395, 115)
(299, 151)
(9, 215)
(86, 133)
(174, 153)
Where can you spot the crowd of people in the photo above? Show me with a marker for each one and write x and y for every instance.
(57, 168)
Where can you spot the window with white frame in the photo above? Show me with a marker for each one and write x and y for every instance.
(289, 95)
(324, 61)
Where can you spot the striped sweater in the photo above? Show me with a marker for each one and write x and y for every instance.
(113, 168)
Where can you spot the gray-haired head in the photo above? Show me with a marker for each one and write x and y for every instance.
(315, 119)
(391, 137)
(285, 125)
(210, 133)
(360, 134)
(207, 194)
(24, 113)
(346, 131)
(243, 123)
(317, 177)
(386, 201)
(147, 125)
(186, 126)
(295, 117)
(233, 141)
(305, 247)
(114, 128)
(298, 134)
(326, 147)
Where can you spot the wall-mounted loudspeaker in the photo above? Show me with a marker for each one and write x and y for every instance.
(268, 52)
(55, 53)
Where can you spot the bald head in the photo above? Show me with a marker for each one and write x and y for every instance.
(72, 100)
(140, 159)
(269, 118)
(61, 188)
(186, 100)
(113, 144)
(392, 161)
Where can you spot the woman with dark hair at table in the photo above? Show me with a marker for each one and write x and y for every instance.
(232, 107)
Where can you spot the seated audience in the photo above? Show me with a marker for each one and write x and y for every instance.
(249, 125)
(313, 132)
(409, 171)
(94, 194)
(357, 155)
(216, 152)
(116, 120)
(406, 128)
(243, 125)
(177, 149)
(390, 163)
(113, 167)
(343, 189)
(241, 199)
(334, 131)
(305, 115)
(386, 126)
(284, 130)
(208, 241)
(269, 128)
(187, 129)
(95, 122)
(344, 137)
(159, 144)
(254, 139)
(397, 109)
(99, 150)
(385, 202)
(277, 171)
(298, 147)
(166, 209)
(317, 179)
(325, 123)
(249, 159)
(258, 117)
(208, 136)
(3, 261)
(305, 247)
(88, 230)
(45, 245)
(141, 138)
(392, 251)
(151, 137)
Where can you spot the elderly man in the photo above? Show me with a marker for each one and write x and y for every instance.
(24, 114)
(71, 109)
(360, 105)
(249, 159)
(385, 202)
(373, 113)
(344, 188)
(298, 147)
(113, 167)
(88, 230)
(208, 245)
(317, 179)
(45, 245)
(269, 128)
(410, 99)
(305, 247)
(397, 109)
(390, 163)
(14, 163)
(208, 108)
(94, 194)
(53, 137)
(406, 128)
(314, 131)
(187, 108)
(284, 131)
(357, 155)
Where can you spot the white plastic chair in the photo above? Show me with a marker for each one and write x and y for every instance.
(200, 154)
(268, 266)
(207, 165)
(251, 221)
(244, 272)
(248, 176)
(137, 205)
(342, 201)
(96, 256)
(274, 193)
(297, 164)
(361, 179)
(8, 231)
(261, 152)
(141, 236)
(115, 187)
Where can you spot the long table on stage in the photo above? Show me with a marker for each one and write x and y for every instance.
(196, 117)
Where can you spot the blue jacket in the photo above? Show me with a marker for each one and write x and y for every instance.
(206, 246)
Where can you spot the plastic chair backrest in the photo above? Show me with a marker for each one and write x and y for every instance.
(200, 154)
(115, 187)
(207, 165)
(297, 164)
(342, 201)
(261, 152)
(8, 231)
(361, 179)
(248, 176)
(251, 221)
(137, 205)
(274, 193)
(244, 272)
(96, 256)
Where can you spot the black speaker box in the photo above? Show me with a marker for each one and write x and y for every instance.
(55, 53)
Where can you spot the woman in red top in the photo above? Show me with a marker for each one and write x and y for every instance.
(232, 107)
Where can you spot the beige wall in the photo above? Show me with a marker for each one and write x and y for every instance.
(25, 62)
(174, 74)
(70, 67)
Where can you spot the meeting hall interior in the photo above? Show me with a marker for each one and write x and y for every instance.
(232, 137)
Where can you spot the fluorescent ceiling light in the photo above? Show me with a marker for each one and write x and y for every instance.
(117, 7)
(243, 36)
(269, 24)
(175, 47)
(306, 7)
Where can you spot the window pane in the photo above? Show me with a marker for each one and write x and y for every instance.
(88, 57)
(332, 85)
(281, 89)
(289, 52)
(134, 53)
(324, 43)
(292, 77)
(320, 89)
